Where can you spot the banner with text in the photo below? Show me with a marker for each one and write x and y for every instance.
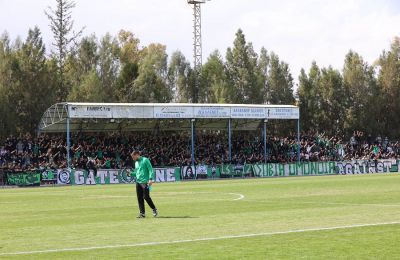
(23, 179)
(230, 170)
(365, 167)
(294, 169)
(168, 174)
(113, 176)
(176, 111)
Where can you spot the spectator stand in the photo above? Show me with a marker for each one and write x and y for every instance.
(108, 117)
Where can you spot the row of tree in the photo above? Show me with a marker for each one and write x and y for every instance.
(360, 97)
(118, 69)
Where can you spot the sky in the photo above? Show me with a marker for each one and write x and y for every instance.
(299, 31)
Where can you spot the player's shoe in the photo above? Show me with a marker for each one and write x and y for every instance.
(141, 216)
(155, 213)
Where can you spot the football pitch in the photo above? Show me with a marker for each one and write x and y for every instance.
(332, 217)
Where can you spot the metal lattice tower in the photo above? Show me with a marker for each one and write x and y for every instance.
(197, 45)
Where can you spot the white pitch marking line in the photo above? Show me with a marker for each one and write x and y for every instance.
(199, 239)
(353, 204)
(240, 196)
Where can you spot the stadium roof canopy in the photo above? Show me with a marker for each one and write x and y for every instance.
(98, 117)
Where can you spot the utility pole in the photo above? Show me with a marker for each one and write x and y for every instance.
(197, 45)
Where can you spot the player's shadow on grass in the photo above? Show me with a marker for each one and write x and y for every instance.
(172, 217)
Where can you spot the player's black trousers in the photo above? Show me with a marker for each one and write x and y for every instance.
(143, 194)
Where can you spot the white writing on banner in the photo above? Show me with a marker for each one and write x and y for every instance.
(77, 111)
(212, 112)
(283, 113)
(105, 174)
(366, 167)
(165, 175)
(173, 112)
(111, 176)
(248, 112)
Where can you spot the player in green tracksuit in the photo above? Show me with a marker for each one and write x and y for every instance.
(144, 179)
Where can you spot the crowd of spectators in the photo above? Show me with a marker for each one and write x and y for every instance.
(174, 149)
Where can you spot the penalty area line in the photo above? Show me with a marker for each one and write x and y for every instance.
(77, 249)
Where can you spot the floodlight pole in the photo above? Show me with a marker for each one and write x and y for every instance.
(197, 46)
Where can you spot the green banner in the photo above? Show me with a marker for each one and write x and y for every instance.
(213, 172)
(49, 175)
(23, 179)
(236, 170)
(294, 169)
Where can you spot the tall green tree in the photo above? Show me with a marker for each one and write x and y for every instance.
(309, 97)
(90, 90)
(332, 108)
(263, 70)
(109, 65)
(180, 78)
(62, 26)
(32, 92)
(241, 65)
(7, 63)
(214, 80)
(151, 84)
(363, 98)
(389, 81)
(279, 85)
(130, 54)
(82, 62)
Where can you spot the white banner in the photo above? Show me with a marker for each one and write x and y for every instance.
(165, 174)
(90, 112)
(173, 112)
(366, 167)
(282, 113)
(201, 170)
(115, 111)
(63, 176)
(212, 112)
(132, 112)
(248, 112)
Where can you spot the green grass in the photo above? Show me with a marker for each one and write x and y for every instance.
(77, 217)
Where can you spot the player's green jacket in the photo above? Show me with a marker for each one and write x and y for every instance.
(143, 170)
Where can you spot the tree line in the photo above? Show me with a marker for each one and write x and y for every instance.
(117, 68)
